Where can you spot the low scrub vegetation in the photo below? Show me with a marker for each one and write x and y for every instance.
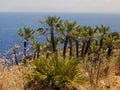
(55, 74)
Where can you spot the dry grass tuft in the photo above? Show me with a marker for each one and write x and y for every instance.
(11, 78)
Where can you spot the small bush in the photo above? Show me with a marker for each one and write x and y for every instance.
(55, 73)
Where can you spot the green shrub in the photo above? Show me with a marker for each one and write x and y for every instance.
(55, 73)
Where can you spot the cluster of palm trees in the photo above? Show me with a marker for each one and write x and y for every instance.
(69, 34)
(55, 69)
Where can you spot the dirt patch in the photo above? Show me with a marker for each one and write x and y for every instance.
(112, 83)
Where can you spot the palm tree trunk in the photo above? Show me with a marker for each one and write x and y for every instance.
(38, 52)
(65, 46)
(101, 43)
(34, 57)
(53, 40)
(25, 44)
(109, 50)
(70, 41)
(87, 47)
(77, 52)
(15, 56)
(83, 48)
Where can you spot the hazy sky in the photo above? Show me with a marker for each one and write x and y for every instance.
(85, 6)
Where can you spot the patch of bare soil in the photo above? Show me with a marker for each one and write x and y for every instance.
(112, 83)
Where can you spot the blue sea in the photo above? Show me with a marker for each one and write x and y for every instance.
(10, 23)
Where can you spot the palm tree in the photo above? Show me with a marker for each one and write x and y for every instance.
(77, 37)
(103, 31)
(15, 48)
(83, 38)
(89, 34)
(52, 24)
(69, 28)
(117, 40)
(26, 34)
(36, 47)
(110, 40)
